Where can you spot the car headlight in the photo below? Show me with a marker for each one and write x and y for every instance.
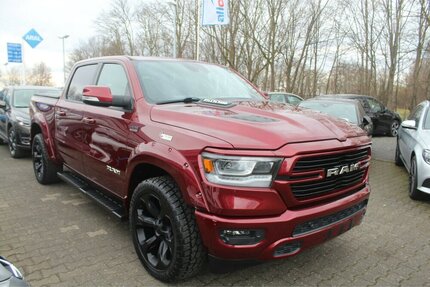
(22, 121)
(240, 171)
(426, 155)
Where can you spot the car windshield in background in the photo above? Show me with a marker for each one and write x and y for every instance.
(21, 98)
(341, 110)
(168, 81)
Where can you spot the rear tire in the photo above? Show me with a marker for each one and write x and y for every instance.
(44, 169)
(164, 231)
(414, 193)
(394, 128)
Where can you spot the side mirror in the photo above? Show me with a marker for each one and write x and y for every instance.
(409, 124)
(102, 97)
(2, 105)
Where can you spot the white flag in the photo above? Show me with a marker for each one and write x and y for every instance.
(215, 12)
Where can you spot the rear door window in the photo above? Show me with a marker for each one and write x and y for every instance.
(278, 98)
(375, 106)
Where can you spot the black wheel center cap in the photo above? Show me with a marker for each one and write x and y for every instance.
(159, 229)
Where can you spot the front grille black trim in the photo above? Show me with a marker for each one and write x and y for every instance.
(321, 162)
(323, 222)
(311, 188)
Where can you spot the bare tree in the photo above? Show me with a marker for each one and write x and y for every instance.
(116, 24)
(14, 76)
(422, 39)
(40, 75)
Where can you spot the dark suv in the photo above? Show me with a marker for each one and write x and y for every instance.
(15, 118)
(385, 122)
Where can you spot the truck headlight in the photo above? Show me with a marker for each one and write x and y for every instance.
(426, 155)
(22, 122)
(240, 171)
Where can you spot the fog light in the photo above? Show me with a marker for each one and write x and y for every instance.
(288, 248)
(242, 236)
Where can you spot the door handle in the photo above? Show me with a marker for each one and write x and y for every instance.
(61, 113)
(90, 121)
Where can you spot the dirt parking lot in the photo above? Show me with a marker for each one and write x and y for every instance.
(60, 238)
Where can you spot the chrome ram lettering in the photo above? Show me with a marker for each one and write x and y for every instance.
(342, 169)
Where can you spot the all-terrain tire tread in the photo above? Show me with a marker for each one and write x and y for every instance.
(193, 254)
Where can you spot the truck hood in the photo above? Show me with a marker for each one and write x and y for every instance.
(255, 125)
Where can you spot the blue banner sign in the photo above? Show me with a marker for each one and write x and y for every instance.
(14, 53)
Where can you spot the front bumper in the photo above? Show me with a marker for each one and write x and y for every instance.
(286, 234)
(423, 169)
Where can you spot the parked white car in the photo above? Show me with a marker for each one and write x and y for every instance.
(413, 150)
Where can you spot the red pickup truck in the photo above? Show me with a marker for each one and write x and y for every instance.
(200, 162)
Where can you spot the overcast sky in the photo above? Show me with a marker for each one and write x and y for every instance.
(50, 18)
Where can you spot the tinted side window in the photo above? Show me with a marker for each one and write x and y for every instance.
(82, 77)
(114, 77)
(365, 104)
(293, 100)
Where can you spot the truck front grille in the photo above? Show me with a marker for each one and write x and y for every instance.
(328, 161)
(309, 177)
(313, 188)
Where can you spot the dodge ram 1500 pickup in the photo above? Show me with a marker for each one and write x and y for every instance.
(199, 162)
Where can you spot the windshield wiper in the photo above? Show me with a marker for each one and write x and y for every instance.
(184, 100)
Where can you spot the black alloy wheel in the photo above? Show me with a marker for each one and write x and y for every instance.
(154, 232)
(414, 193)
(38, 164)
(14, 150)
(44, 169)
(165, 235)
(394, 128)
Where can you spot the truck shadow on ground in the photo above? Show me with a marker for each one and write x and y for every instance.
(219, 266)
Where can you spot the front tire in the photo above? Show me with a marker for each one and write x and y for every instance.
(414, 193)
(394, 128)
(165, 234)
(14, 150)
(44, 169)
(397, 159)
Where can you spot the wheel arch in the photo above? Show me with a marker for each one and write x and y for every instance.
(158, 160)
(41, 127)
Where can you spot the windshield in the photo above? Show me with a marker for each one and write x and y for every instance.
(165, 81)
(341, 110)
(21, 98)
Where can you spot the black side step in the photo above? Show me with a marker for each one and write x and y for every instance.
(115, 207)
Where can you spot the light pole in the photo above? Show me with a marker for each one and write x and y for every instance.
(64, 56)
(175, 5)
